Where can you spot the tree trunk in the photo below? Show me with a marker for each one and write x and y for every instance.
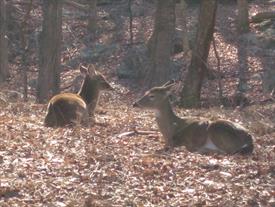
(185, 43)
(141, 35)
(4, 72)
(190, 94)
(92, 21)
(130, 21)
(25, 49)
(50, 50)
(243, 21)
(243, 67)
(243, 26)
(160, 44)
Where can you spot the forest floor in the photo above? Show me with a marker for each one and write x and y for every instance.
(117, 162)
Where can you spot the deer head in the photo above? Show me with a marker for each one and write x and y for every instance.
(155, 97)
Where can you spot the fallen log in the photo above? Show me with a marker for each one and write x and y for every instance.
(76, 5)
(261, 16)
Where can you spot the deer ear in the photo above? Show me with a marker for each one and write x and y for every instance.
(167, 89)
(83, 69)
(91, 70)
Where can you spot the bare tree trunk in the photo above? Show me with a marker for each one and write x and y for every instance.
(50, 50)
(161, 43)
(130, 21)
(190, 94)
(185, 43)
(243, 21)
(4, 71)
(243, 68)
(142, 34)
(220, 90)
(92, 21)
(24, 49)
(118, 20)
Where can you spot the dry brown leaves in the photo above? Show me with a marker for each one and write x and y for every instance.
(101, 166)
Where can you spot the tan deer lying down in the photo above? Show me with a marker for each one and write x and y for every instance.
(219, 136)
(69, 108)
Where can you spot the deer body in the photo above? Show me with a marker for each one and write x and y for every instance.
(196, 135)
(69, 108)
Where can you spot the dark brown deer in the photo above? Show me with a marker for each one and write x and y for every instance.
(202, 136)
(70, 108)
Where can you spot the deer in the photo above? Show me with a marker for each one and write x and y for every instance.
(197, 135)
(67, 109)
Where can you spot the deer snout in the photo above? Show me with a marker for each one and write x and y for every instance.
(135, 104)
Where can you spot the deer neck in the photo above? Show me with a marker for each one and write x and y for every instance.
(167, 120)
(89, 92)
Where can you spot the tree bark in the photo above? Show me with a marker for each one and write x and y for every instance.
(24, 49)
(130, 21)
(92, 21)
(160, 44)
(243, 20)
(190, 94)
(50, 50)
(243, 67)
(185, 43)
(4, 71)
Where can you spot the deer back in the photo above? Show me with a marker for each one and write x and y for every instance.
(66, 109)
(69, 108)
(230, 137)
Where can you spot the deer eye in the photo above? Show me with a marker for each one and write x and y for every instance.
(151, 96)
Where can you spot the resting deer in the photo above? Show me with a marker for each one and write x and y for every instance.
(70, 108)
(196, 135)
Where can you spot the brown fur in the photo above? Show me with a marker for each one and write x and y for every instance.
(70, 109)
(196, 135)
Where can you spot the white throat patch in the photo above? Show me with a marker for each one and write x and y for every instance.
(157, 113)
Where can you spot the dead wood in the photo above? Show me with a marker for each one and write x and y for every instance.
(259, 17)
(136, 132)
(76, 5)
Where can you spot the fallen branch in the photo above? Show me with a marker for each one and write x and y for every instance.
(76, 5)
(259, 17)
(136, 132)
